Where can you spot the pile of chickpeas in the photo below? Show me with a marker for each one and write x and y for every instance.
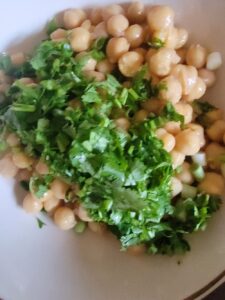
(187, 71)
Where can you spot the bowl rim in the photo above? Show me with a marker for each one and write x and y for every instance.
(209, 287)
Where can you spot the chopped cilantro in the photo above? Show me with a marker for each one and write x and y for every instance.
(40, 223)
(124, 177)
(52, 26)
(156, 43)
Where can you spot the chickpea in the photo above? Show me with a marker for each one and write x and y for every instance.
(13, 140)
(96, 16)
(161, 62)
(140, 116)
(176, 186)
(58, 35)
(135, 35)
(97, 227)
(90, 63)
(46, 196)
(116, 47)
(213, 183)
(152, 105)
(75, 103)
(64, 218)
(187, 75)
(160, 132)
(123, 124)
(182, 54)
(97, 76)
(177, 158)
(207, 76)
(137, 249)
(24, 174)
(21, 160)
(199, 130)
(187, 142)
(82, 214)
(59, 188)
(196, 56)
(41, 168)
(167, 139)
(182, 37)
(127, 84)
(172, 91)
(51, 203)
(214, 153)
(7, 167)
(73, 18)
(116, 25)
(216, 131)
(111, 10)
(4, 78)
(172, 38)
(168, 36)
(31, 204)
(4, 87)
(80, 39)
(150, 53)
(172, 127)
(129, 63)
(87, 25)
(105, 66)
(100, 31)
(147, 33)
(214, 61)
(136, 12)
(141, 51)
(18, 59)
(26, 80)
(185, 175)
(160, 17)
(197, 92)
(214, 115)
(185, 110)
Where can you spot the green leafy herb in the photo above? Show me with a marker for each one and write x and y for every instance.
(201, 108)
(52, 26)
(156, 43)
(39, 185)
(124, 177)
(40, 223)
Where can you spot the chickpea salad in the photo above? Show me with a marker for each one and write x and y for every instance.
(103, 127)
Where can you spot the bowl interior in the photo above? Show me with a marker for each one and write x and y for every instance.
(51, 264)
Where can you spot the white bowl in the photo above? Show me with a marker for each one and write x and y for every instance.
(50, 264)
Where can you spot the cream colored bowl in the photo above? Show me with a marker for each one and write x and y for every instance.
(49, 264)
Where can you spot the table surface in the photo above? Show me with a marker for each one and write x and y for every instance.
(218, 294)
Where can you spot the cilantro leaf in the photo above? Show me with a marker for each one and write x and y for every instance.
(156, 43)
(40, 223)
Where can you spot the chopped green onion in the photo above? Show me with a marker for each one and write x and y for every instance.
(80, 227)
(198, 172)
(199, 158)
(188, 191)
